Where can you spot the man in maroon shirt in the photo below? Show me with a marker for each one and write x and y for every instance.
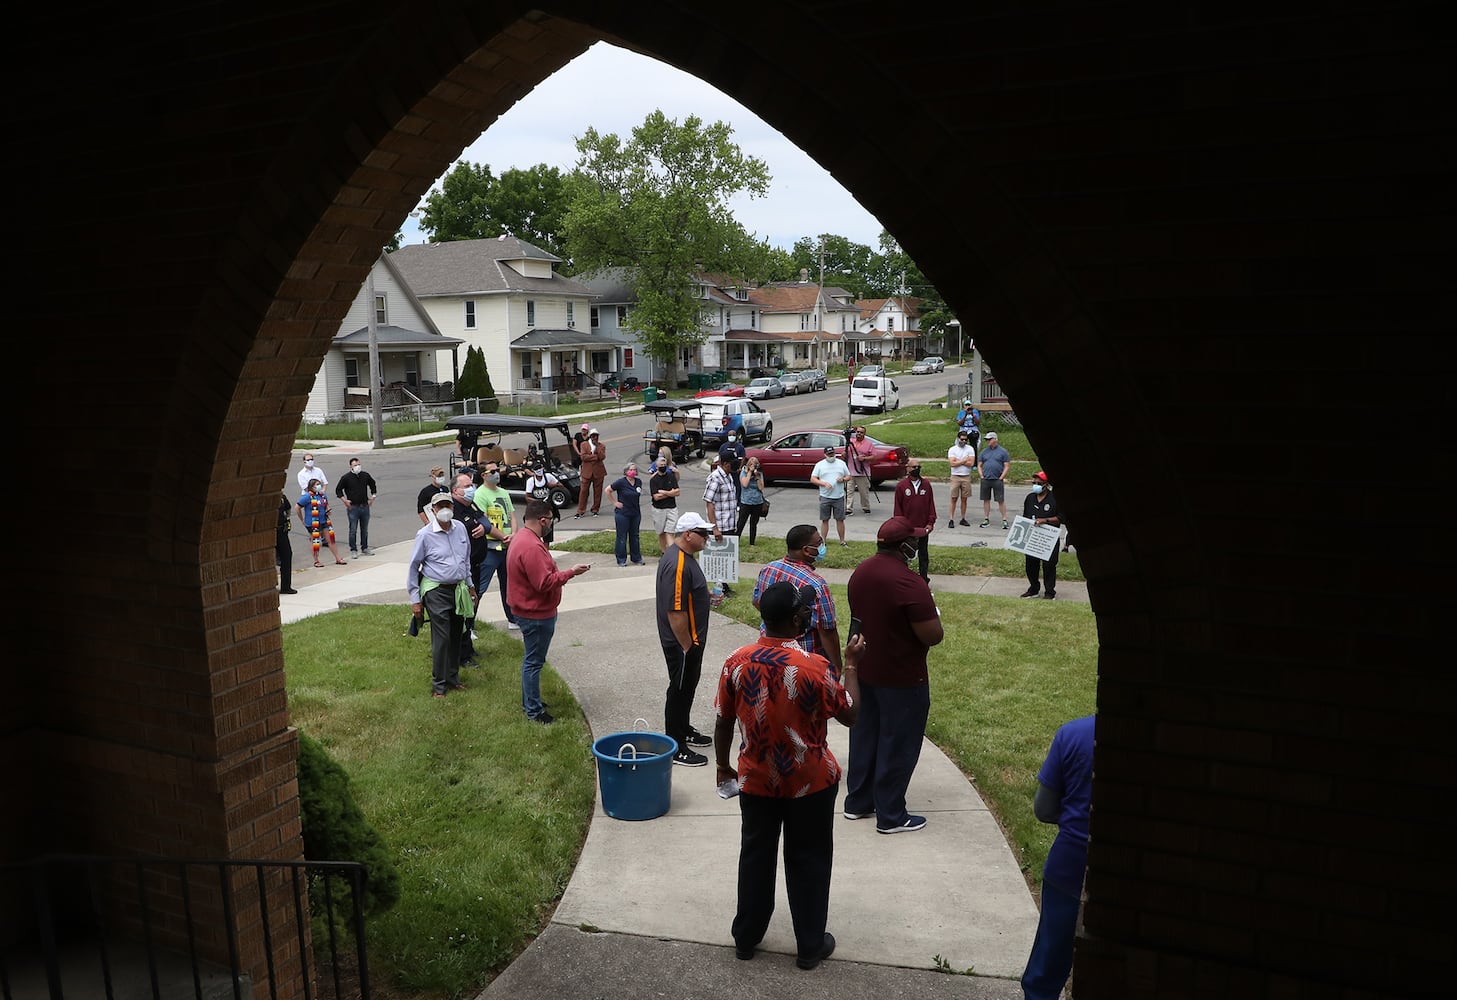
(901, 623)
(915, 502)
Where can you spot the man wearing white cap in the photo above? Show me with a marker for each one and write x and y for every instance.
(682, 612)
(594, 472)
(439, 580)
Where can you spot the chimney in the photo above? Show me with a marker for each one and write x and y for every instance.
(804, 275)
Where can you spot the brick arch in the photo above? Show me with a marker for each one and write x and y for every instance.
(1165, 224)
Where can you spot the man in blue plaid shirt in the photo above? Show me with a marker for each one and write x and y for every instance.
(802, 546)
(721, 498)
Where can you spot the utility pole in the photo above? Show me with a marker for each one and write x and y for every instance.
(822, 355)
(375, 403)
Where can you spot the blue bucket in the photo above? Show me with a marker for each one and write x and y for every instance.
(635, 772)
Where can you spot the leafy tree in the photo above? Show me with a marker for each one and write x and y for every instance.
(658, 206)
(852, 266)
(472, 203)
(475, 378)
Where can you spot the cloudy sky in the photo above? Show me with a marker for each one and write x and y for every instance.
(613, 90)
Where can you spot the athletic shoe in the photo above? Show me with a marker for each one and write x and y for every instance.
(985, 524)
(827, 948)
(366, 552)
(850, 815)
(689, 758)
(473, 636)
(697, 739)
(911, 825)
(951, 523)
(512, 627)
(1049, 596)
(1005, 526)
(544, 718)
(1028, 593)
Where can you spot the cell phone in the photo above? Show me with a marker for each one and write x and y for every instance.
(854, 630)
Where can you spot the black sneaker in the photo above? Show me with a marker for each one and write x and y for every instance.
(1049, 596)
(951, 523)
(697, 739)
(1028, 593)
(545, 718)
(689, 758)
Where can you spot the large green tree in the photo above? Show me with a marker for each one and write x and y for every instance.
(471, 203)
(657, 205)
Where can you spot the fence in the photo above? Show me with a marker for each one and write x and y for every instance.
(122, 927)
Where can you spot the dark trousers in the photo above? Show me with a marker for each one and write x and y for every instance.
(809, 857)
(283, 550)
(1048, 569)
(1051, 960)
(445, 626)
(467, 646)
(750, 516)
(885, 744)
(683, 672)
(923, 553)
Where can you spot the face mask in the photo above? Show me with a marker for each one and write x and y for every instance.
(355, 469)
(915, 473)
(732, 439)
(662, 466)
(493, 478)
(470, 492)
(631, 473)
(1037, 488)
(444, 515)
(308, 463)
(538, 473)
(439, 480)
(823, 551)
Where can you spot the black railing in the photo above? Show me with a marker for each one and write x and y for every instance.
(169, 927)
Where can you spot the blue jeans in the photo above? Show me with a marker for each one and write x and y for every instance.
(359, 524)
(629, 526)
(536, 636)
(493, 565)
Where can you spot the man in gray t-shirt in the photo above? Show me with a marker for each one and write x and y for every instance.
(992, 463)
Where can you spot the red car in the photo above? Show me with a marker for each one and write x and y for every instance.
(721, 389)
(794, 455)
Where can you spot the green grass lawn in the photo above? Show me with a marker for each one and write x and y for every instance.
(928, 432)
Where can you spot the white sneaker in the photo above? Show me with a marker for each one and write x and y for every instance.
(512, 627)
(473, 635)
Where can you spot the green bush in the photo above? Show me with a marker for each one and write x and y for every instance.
(335, 829)
(475, 381)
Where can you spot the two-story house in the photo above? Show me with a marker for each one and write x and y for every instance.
(504, 296)
(414, 356)
(889, 328)
(803, 324)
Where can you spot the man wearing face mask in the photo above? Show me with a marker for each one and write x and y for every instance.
(495, 505)
(438, 580)
(357, 489)
(436, 485)
(820, 635)
(732, 450)
(311, 471)
(538, 487)
(901, 623)
(1041, 507)
(721, 498)
(915, 501)
(462, 493)
(663, 488)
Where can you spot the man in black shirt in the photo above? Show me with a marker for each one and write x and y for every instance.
(358, 490)
(1041, 507)
(462, 494)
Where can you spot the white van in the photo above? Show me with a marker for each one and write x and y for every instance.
(873, 394)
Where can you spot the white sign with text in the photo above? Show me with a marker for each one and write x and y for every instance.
(1037, 540)
(720, 560)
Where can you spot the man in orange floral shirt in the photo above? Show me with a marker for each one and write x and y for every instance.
(782, 699)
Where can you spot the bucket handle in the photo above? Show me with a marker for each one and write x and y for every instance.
(642, 720)
(622, 754)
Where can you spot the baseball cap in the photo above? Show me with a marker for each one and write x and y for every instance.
(1041, 477)
(693, 521)
(992, 436)
(585, 426)
(593, 432)
(898, 529)
(441, 498)
(829, 449)
(780, 600)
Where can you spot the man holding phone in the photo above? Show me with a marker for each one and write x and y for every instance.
(821, 634)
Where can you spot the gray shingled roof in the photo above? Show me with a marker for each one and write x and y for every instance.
(395, 337)
(567, 338)
(476, 267)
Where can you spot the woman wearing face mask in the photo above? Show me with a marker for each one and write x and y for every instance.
(915, 501)
(1041, 508)
(625, 495)
(751, 499)
(435, 485)
(313, 514)
(663, 489)
(538, 487)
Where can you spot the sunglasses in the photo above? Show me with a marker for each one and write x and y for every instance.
(700, 532)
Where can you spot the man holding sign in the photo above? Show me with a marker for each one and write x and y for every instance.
(1040, 507)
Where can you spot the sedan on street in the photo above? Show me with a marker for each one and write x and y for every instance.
(793, 456)
(764, 388)
(793, 383)
(720, 389)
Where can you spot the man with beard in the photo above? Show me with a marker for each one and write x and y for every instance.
(916, 502)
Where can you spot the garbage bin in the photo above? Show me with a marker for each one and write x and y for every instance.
(696, 380)
(649, 393)
(635, 773)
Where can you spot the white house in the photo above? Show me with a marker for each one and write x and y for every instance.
(887, 326)
(413, 355)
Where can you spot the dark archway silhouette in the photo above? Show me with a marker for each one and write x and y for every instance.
(1219, 239)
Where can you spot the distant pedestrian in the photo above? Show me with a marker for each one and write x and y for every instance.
(469, 516)
(682, 617)
(961, 456)
(781, 699)
(721, 498)
(310, 471)
(313, 514)
(915, 500)
(859, 451)
(901, 623)
(821, 633)
(538, 486)
(536, 593)
(357, 489)
(968, 418)
(830, 474)
(993, 464)
(438, 581)
(664, 490)
(496, 505)
(579, 439)
(283, 548)
(437, 484)
(594, 472)
(751, 499)
(625, 493)
(1064, 796)
(1040, 507)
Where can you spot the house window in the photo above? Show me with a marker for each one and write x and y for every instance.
(470, 314)
(622, 317)
(530, 312)
(804, 321)
(890, 324)
(600, 362)
(571, 314)
(596, 318)
(381, 314)
(412, 369)
(351, 372)
(627, 357)
(525, 364)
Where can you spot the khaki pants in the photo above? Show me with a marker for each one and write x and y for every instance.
(859, 487)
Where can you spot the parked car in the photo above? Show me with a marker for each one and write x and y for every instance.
(923, 367)
(764, 388)
(938, 363)
(746, 417)
(677, 425)
(874, 371)
(721, 389)
(516, 444)
(793, 456)
(874, 395)
(816, 378)
(793, 383)
(759, 371)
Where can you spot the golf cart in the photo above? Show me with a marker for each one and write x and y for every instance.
(677, 425)
(516, 444)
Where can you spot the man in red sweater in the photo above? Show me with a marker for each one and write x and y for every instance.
(536, 592)
(915, 502)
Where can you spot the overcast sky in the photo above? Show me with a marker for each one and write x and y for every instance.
(613, 90)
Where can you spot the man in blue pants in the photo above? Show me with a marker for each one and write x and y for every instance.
(1064, 796)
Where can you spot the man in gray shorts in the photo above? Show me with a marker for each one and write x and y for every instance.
(831, 474)
(993, 463)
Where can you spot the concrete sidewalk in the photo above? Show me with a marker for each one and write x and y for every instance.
(648, 907)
